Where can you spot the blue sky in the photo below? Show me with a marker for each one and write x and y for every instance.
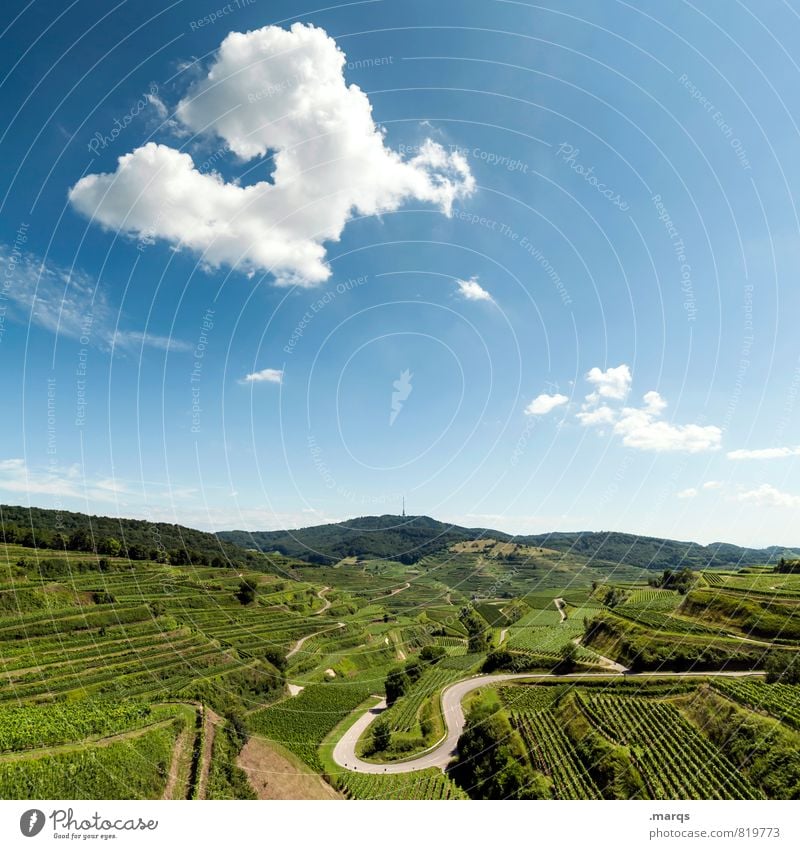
(533, 268)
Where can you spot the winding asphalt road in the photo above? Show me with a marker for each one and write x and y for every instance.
(440, 755)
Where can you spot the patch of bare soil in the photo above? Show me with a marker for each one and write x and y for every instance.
(273, 776)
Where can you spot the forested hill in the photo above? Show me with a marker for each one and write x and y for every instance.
(137, 539)
(408, 539)
(403, 538)
(654, 552)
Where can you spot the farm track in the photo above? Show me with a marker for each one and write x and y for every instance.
(210, 722)
(394, 592)
(560, 605)
(439, 756)
(299, 644)
(326, 606)
(181, 751)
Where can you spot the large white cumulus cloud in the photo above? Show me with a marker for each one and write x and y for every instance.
(279, 91)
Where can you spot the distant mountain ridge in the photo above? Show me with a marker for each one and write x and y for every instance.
(410, 538)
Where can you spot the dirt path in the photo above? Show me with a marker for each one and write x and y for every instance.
(344, 753)
(210, 722)
(326, 606)
(272, 775)
(181, 755)
(502, 635)
(299, 644)
(560, 604)
(395, 592)
(606, 661)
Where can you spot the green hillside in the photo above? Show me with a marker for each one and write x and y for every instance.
(410, 539)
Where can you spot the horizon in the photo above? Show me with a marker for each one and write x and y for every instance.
(408, 517)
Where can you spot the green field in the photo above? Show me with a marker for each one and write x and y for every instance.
(145, 677)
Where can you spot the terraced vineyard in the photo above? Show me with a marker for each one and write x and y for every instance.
(302, 723)
(551, 753)
(403, 715)
(779, 700)
(675, 760)
(426, 785)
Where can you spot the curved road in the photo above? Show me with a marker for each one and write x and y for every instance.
(440, 755)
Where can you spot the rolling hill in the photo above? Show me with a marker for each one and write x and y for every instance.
(409, 539)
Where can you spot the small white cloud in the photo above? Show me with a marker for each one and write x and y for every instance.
(767, 495)
(691, 492)
(613, 383)
(544, 404)
(764, 453)
(713, 485)
(266, 375)
(472, 290)
(641, 427)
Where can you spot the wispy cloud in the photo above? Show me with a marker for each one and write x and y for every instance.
(764, 453)
(60, 482)
(67, 302)
(266, 375)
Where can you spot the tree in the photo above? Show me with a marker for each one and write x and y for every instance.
(397, 684)
(112, 546)
(490, 758)
(79, 541)
(247, 591)
(413, 670)
(783, 667)
(477, 638)
(432, 654)
(381, 735)
(568, 658)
